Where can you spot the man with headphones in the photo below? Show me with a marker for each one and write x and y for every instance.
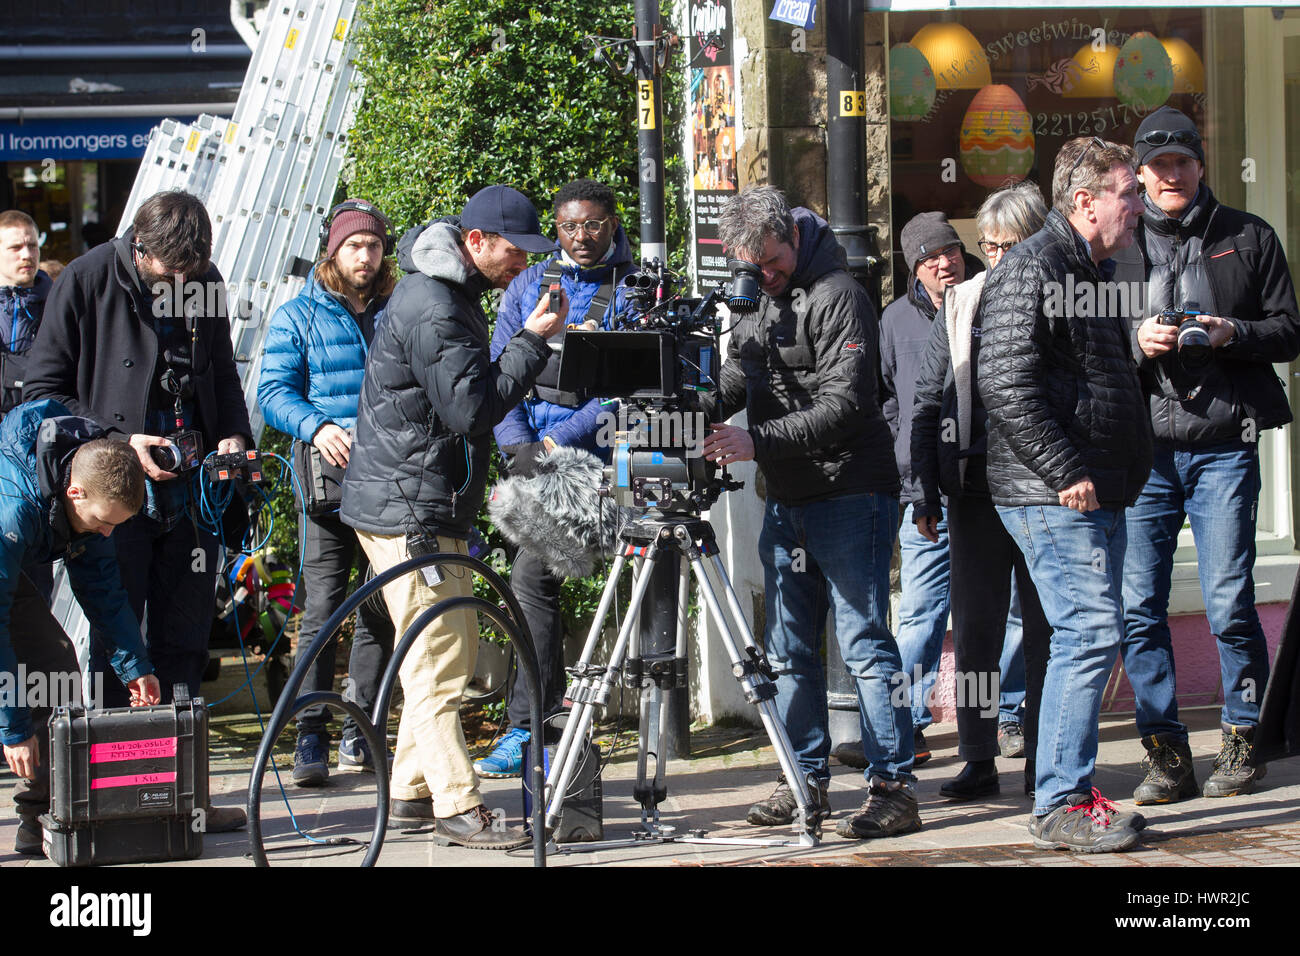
(311, 380)
(135, 338)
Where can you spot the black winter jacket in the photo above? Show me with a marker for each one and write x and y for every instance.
(97, 351)
(1062, 393)
(1225, 262)
(904, 332)
(936, 448)
(431, 397)
(804, 365)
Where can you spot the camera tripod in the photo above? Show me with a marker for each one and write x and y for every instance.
(650, 541)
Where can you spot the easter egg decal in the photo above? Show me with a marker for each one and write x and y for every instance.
(911, 83)
(1144, 77)
(997, 137)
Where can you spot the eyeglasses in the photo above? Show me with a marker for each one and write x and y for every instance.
(951, 253)
(988, 247)
(1162, 137)
(591, 227)
(1095, 141)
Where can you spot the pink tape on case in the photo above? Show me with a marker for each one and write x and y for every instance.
(133, 750)
(133, 780)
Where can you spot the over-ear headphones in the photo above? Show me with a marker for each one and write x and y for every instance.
(360, 205)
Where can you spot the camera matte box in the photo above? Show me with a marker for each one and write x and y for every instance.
(125, 783)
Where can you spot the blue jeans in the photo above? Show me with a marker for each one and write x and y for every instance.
(1217, 488)
(834, 555)
(1011, 696)
(922, 611)
(1077, 562)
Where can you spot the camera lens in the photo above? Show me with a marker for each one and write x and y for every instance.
(1194, 349)
(167, 457)
(746, 280)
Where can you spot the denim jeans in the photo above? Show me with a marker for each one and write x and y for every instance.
(834, 555)
(1076, 562)
(922, 610)
(1217, 488)
(1011, 696)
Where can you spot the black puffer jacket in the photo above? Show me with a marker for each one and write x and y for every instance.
(1225, 262)
(804, 365)
(1062, 393)
(431, 396)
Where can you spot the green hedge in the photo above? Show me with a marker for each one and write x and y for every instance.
(463, 94)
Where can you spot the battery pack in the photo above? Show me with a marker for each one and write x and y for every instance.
(582, 818)
(127, 785)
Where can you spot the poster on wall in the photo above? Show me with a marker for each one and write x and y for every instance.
(711, 134)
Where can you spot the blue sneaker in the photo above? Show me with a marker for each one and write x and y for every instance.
(508, 759)
(354, 754)
(311, 760)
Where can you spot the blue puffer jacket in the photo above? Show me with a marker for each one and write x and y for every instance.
(314, 364)
(533, 419)
(34, 530)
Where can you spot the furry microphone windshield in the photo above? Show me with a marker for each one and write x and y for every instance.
(558, 514)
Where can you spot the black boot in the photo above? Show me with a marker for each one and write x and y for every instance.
(1168, 764)
(1235, 771)
(979, 778)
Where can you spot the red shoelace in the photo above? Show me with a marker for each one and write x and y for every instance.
(1099, 808)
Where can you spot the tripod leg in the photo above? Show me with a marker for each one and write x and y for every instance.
(720, 575)
(570, 748)
(758, 689)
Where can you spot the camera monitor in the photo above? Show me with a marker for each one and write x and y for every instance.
(618, 364)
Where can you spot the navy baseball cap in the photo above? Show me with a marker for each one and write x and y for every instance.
(508, 213)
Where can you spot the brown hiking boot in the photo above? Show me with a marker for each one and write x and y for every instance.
(478, 829)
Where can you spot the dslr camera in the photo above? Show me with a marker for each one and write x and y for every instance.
(183, 451)
(1194, 349)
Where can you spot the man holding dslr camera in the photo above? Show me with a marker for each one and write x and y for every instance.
(127, 343)
(1220, 276)
(804, 367)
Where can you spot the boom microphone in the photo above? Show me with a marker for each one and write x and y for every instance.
(558, 513)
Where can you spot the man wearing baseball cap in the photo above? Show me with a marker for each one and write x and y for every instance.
(418, 469)
(1225, 269)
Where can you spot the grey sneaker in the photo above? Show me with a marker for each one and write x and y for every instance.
(1011, 739)
(1085, 823)
(890, 810)
(1170, 776)
(778, 809)
(1235, 771)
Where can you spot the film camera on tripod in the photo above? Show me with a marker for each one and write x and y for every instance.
(659, 358)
